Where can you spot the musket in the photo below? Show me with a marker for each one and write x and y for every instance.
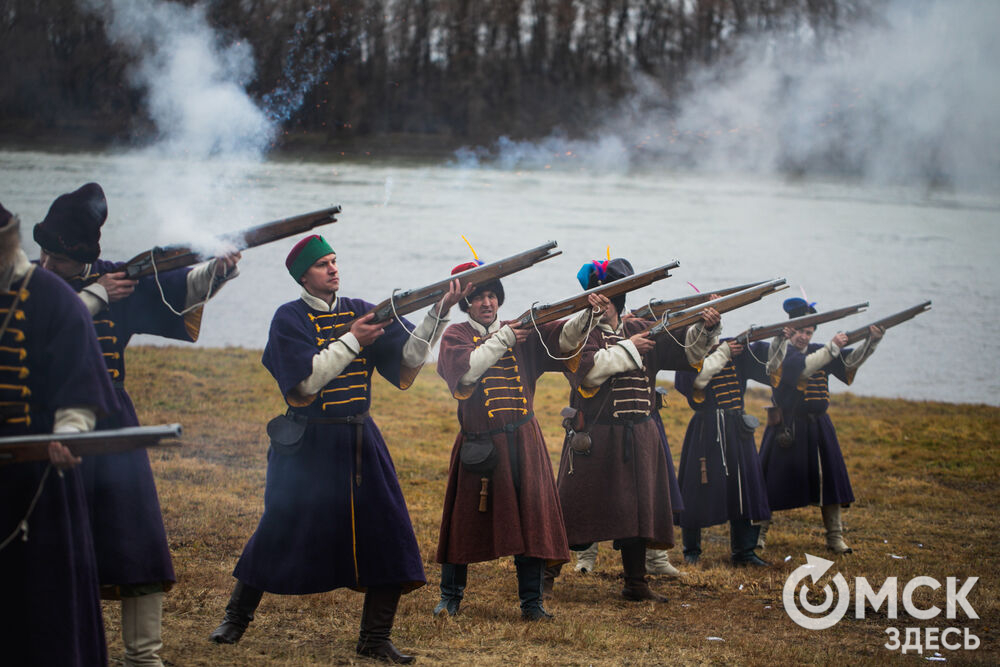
(566, 307)
(23, 448)
(886, 322)
(165, 258)
(682, 318)
(403, 303)
(756, 332)
(655, 309)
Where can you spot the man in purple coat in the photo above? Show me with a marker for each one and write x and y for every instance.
(801, 457)
(52, 380)
(129, 537)
(334, 514)
(720, 473)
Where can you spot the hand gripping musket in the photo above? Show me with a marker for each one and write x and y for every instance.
(682, 318)
(560, 309)
(165, 258)
(24, 448)
(886, 322)
(403, 303)
(756, 332)
(655, 309)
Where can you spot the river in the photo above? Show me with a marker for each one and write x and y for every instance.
(402, 224)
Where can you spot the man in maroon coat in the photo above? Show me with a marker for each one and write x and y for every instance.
(507, 504)
(619, 489)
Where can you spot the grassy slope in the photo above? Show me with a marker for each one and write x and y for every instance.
(926, 475)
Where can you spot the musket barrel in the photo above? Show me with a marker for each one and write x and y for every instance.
(886, 322)
(177, 256)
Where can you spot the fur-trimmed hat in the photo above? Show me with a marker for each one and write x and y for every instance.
(595, 273)
(72, 227)
(797, 307)
(494, 286)
(304, 253)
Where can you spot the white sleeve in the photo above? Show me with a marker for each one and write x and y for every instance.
(94, 297)
(330, 363)
(699, 340)
(487, 354)
(74, 420)
(820, 358)
(861, 353)
(202, 282)
(576, 329)
(430, 329)
(713, 363)
(619, 358)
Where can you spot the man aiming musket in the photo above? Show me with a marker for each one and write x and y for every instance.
(800, 453)
(501, 499)
(614, 483)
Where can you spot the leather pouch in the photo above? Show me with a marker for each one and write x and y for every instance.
(478, 455)
(286, 432)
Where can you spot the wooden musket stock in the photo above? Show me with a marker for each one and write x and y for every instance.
(403, 303)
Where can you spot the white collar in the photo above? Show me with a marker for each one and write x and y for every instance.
(317, 303)
(485, 331)
(604, 326)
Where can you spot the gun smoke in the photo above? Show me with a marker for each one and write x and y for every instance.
(908, 100)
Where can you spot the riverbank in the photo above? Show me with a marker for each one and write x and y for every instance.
(290, 147)
(926, 476)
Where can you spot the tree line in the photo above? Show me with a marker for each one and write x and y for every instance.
(469, 70)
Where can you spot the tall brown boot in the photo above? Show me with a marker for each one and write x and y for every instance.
(834, 530)
(377, 615)
(634, 564)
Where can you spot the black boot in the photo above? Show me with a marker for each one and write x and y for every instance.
(691, 538)
(453, 578)
(634, 564)
(239, 612)
(530, 581)
(742, 541)
(377, 616)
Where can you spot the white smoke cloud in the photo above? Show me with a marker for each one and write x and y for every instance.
(209, 133)
(909, 99)
(195, 84)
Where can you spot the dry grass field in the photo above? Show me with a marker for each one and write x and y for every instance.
(926, 477)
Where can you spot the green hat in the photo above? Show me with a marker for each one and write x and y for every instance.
(304, 253)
